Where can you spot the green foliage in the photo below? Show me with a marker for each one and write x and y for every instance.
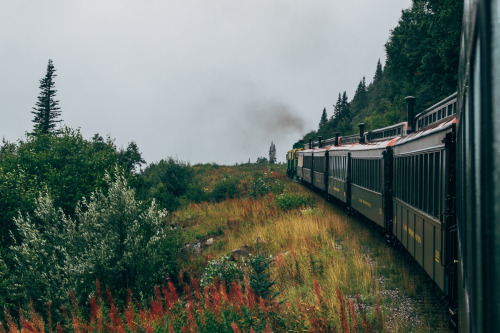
(66, 166)
(167, 182)
(260, 277)
(287, 201)
(264, 183)
(224, 269)
(41, 256)
(225, 188)
(122, 245)
(111, 239)
(4, 281)
(47, 109)
(272, 153)
(324, 119)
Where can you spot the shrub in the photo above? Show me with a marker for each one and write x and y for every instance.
(287, 201)
(167, 182)
(225, 188)
(260, 278)
(264, 183)
(224, 269)
(111, 239)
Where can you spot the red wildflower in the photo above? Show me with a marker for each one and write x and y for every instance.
(196, 286)
(342, 311)
(235, 327)
(317, 290)
(173, 293)
(98, 290)
(59, 328)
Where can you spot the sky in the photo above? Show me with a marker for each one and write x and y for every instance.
(203, 81)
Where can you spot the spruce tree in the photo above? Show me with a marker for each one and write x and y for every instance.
(324, 118)
(272, 153)
(47, 109)
(337, 107)
(378, 72)
(344, 113)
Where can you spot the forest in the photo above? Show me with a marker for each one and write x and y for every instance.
(422, 55)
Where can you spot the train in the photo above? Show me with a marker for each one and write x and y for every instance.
(432, 184)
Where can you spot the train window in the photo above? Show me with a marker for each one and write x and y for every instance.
(421, 182)
(427, 184)
(439, 114)
(437, 184)
(368, 180)
(411, 176)
(434, 117)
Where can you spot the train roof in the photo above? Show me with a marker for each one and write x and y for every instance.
(374, 145)
(436, 127)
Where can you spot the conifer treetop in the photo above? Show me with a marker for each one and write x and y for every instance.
(47, 110)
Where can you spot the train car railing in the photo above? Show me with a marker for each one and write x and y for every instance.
(445, 108)
(349, 139)
(387, 132)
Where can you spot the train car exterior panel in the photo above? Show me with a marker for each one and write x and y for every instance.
(368, 203)
(421, 234)
(300, 165)
(319, 181)
(337, 188)
(307, 175)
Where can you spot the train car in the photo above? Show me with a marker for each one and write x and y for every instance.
(305, 165)
(369, 167)
(478, 168)
(423, 220)
(292, 162)
(320, 166)
(339, 166)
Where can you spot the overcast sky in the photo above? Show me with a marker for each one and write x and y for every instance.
(199, 80)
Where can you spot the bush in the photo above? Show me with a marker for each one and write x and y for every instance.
(264, 183)
(111, 239)
(224, 269)
(225, 188)
(287, 201)
(167, 182)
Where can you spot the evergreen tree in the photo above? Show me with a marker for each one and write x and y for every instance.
(47, 109)
(378, 72)
(324, 118)
(344, 107)
(337, 107)
(272, 153)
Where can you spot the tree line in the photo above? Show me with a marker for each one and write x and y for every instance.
(422, 56)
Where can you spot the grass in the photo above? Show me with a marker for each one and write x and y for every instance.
(312, 240)
(331, 270)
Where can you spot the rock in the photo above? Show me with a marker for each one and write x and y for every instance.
(192, 248)
(209, 242)
(259, 240)
(279, 257)
(242, 252)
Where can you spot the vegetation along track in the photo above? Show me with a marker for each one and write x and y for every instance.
(312, 239)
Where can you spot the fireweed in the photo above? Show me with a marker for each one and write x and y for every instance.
(212, 309)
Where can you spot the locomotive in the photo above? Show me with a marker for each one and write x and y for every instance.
(432, 184)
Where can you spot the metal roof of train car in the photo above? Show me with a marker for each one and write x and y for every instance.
(373, 145)
(436, 127)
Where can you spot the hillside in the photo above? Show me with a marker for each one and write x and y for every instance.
(302, 262)
(422, 61)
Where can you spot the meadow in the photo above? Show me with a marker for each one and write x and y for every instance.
(261, 253)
